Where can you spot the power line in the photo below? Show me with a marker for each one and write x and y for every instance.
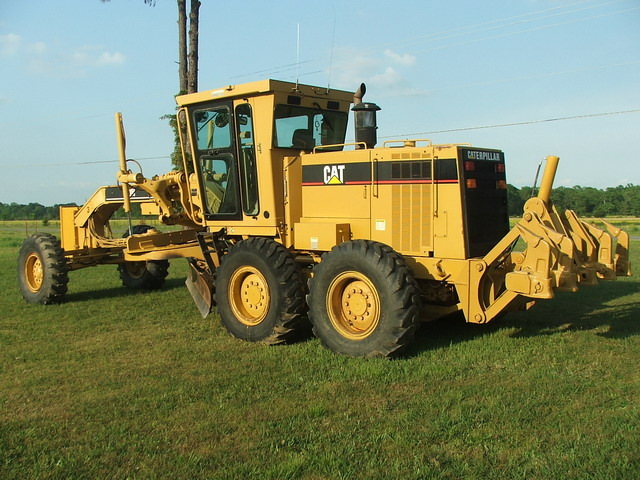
(536, 75)
(474, 29)
(534, 29)
(513, 124)
(490, 25)
(68, 164)
(497, 125)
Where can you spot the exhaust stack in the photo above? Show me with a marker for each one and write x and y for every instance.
(365, 119)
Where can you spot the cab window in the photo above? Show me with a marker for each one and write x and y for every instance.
(217, 160)
(304, 128)
(247, 158)
(213, 130)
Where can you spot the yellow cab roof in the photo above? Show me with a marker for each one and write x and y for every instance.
(263, 87)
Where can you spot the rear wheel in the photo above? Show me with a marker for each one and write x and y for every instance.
(42, 269)
(363, 300)
(260, 292)
(144, 275)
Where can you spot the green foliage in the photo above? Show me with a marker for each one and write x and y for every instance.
(31, 211)
(623, 200)
(135, 212)
(35, 211)
(176, 154)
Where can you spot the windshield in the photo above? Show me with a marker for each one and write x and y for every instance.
(305, 128)
(212, 128)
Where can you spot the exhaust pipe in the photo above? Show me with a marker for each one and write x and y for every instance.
(365, 119)
(357, 97)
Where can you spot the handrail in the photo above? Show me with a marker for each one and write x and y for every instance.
(320, 147)
(407, 140)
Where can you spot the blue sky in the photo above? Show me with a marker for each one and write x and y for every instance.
(67, 66)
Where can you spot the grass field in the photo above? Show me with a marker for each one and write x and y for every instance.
(115, 384)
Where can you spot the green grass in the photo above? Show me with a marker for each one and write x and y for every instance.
(114, 384)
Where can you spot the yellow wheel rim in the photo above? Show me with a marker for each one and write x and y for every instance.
(34, 272)
(353, 305)
(135, 269)
(249, 296)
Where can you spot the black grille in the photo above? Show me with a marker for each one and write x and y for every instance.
(485, 198)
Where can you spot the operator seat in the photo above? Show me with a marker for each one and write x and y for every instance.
(303, 139)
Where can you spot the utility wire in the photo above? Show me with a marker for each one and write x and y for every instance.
(472, 28)
(441, 35)
(94, 162)
(516, 32)
(534, 76)
(533, 29)
(498, 125)
(469, 29)
(513, 124)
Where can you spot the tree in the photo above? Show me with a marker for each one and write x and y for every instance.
(188, 32)
(188, 46)
(187, 71)
(515, 202)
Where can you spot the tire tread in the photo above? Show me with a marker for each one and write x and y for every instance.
(403, 289)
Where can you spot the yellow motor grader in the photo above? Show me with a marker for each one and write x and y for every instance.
(282, 223)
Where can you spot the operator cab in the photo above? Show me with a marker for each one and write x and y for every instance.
(240, 136)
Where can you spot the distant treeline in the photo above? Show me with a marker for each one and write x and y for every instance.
(623, 200)
(35, 211)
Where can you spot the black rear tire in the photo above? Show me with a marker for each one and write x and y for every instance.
(42, 269)
(363, 300)
(143, 275)
(260, 292)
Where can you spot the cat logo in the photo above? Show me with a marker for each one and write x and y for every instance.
(333, 174)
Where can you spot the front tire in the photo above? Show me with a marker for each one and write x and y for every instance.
(42, 269)
(260, 292)
(143, 275)
(363, 300)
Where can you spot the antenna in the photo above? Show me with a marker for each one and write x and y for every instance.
(298, 56)
(535, 180)
(333, 38)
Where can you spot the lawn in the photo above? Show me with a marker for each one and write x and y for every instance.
(115, 384)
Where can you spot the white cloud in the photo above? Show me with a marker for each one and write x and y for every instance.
(405, 60)
(108, 58)
(41, 59)
(91, 56)
(38, 48)
(9, 44)
(389, 78)
(384, 71)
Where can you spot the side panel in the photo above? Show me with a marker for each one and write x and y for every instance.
(402, 200)
(448, 214)
(71, 236)
(321, 236)
(336, 187)
(416, 204)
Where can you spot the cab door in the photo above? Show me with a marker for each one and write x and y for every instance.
(216, 161)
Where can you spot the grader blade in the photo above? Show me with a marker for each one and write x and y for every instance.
(201, 291)
(621, 262)
(595, 248)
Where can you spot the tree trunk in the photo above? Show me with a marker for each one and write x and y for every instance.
(192, 69)
(182, 46)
